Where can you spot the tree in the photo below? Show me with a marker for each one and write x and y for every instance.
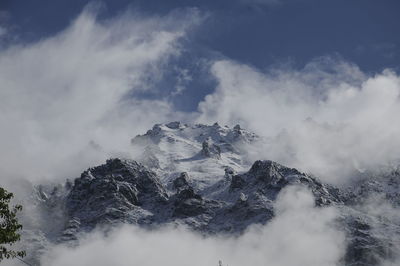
(9, 226)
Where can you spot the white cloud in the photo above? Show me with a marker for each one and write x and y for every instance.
(300, 234)
(64, 92)
(386, 219)
(329, 118)
(183, 78)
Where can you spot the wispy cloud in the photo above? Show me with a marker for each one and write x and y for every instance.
(300, 234)
(329, 118)
(64, 92)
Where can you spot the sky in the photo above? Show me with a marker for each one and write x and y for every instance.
(261, 33)
(318, 79)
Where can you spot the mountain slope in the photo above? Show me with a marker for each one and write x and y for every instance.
(198, 176)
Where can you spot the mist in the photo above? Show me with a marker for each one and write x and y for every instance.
(329, 118)
(65, 101)
(68, 101)
(300, 234)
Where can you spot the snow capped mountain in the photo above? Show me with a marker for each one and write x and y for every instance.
(203, 151)
(199, 177)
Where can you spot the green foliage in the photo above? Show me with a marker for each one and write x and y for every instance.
(9, 226)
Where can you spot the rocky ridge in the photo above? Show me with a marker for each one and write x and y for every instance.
(198, 177)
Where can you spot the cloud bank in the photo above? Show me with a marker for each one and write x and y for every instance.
(329, 118)
(65, 101)
(300, 234)
(68, 101)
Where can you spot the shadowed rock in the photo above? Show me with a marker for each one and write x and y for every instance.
(181, 182)
(109, 192)
(210, 149)
(124, 191)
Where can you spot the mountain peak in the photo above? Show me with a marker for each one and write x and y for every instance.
(203, 150)
(198, 176)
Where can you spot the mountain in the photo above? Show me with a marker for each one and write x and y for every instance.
(203, 151)
(198, 176)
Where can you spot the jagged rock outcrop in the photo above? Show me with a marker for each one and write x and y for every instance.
(188, 203)
(113, 192)
(125, 191)
(372, 218)
(198, 176)
(229, 173)
(181, 182)
(210, 149)
(177, 145)
(270, 177)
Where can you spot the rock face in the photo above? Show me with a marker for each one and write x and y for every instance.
(271, 177)
(124, 191)
(197, 176)
(181, 182)
(112, 193)
(210, 149)
(372, 217)
(201, 150)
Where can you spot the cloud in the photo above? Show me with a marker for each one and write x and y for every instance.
(183, 78)
(300, 234)
(328, 118)
(66, 100)
(384, 216)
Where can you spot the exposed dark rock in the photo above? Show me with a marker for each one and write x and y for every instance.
(363, 248)
(270, 177)
(229, 173)
(125, 191)
(108, 192)
(188, 203)
(271, 173)
(237, 182)
(175, 125)
(211, 150)
(181, 182)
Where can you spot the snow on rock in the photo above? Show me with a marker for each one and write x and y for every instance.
(204, 151)
(198, 176)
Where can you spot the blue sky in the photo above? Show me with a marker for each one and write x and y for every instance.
(261, 33)
(319, 77)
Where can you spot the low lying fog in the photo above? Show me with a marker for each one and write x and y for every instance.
(300, 234)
